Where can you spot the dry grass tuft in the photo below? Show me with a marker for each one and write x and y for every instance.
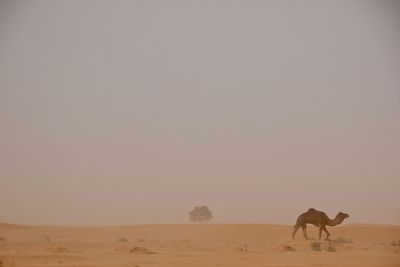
(141, 250)
(122, 239)
(315, 246)
(395, 243)
(330, 248)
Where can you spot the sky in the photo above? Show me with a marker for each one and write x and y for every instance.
(133, 112)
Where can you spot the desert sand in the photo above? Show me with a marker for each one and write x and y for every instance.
(197, 245)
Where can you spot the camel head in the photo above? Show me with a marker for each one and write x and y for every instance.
(342, 216)
(339, 218)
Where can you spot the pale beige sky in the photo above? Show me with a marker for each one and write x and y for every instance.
(126, 112)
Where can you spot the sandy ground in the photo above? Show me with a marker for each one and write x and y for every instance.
(197, 245)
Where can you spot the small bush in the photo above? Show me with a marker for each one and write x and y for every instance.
(395, 243)
(141, 240)
(288, 248)
(330, 248)
(46, 238)
(243, 249)
(342, 240)
(315, 246)
(59, 249)
(141, 250)
(122, 239)
(2, 239)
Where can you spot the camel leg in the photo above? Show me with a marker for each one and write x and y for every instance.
(296, 227)
(327, 233)
(320, 232)
(304, 231)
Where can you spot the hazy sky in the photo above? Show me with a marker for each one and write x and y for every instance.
(126, 112)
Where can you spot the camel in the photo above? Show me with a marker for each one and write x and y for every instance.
(319, 219)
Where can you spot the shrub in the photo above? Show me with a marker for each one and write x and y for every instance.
(59, 249)
(122, 239)
(288, 248)
(330, 248)
(141, 250)
(315, 246)
(243, 249)
(395, 243)
(3, 239)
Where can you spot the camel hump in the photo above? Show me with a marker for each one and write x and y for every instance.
(311, 210)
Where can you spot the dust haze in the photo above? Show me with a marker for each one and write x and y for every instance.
(134, 112)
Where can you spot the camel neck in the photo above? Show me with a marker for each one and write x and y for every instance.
(335, 221)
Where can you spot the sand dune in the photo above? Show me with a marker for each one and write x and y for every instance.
(197, 245)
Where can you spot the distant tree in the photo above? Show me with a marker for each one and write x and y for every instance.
(200, 214)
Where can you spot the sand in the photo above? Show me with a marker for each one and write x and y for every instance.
(197, 245)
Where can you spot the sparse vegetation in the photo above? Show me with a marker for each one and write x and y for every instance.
(60, 249)
(330, 248)
(200, 214)
(395, 243)
(141, 240)
(243, 249)
(3, 239)
(122, 239)
(342, 240)
(141, 250)
(315, 246)
(46, 238)
(288, 248)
